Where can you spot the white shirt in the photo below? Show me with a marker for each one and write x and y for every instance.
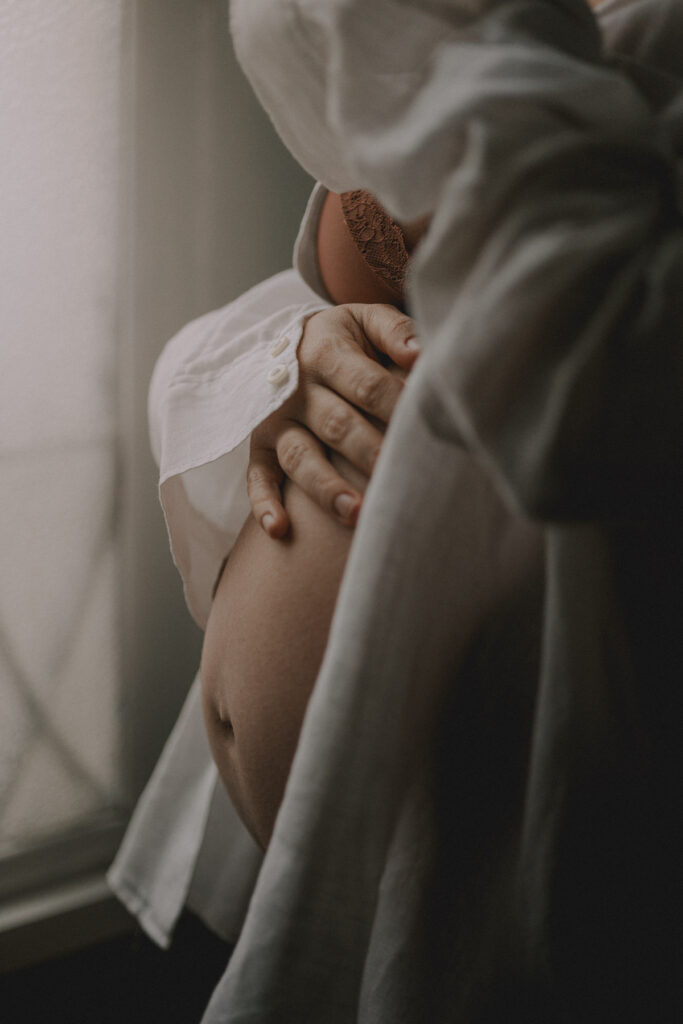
(469, 129)
(215, 381)
(537, 876)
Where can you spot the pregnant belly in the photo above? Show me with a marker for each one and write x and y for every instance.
(264, 644)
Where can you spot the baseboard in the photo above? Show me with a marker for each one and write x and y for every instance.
(59, 920)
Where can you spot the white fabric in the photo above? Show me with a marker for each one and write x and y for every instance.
(184, 820)
(553, 264)
(210, 389)
(478, 126)
(185, 844)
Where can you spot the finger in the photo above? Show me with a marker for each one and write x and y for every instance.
(388, 330)
(264, 478)
(303, 459)
(345, 368)
(341, 427)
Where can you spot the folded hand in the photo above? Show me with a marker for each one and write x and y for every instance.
(345, 398)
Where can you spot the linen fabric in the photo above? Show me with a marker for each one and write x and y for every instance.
(524, 866)
(215, 381)
(185, 845)
(527, 874)
(185, 838)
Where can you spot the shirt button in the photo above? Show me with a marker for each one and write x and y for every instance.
(279, 347)
(279, 375)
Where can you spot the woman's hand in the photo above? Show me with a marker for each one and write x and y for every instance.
(342, 386)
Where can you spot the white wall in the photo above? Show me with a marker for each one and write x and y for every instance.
(141, 186)
(59, 651)
(213, 203)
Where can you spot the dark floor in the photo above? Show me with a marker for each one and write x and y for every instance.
(123, 981)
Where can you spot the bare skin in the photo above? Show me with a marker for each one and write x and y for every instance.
(264, 644)
(271, 613)
(345, 398)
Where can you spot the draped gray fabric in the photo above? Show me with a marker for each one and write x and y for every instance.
(481, 823)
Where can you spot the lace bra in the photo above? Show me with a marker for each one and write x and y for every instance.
(362, 253)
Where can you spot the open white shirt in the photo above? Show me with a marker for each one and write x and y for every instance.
(214, 382)
(491, 103)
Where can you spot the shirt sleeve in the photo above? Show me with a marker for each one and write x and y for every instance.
(214, 382)
(548, 288)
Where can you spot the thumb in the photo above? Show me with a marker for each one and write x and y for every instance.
(389, 331)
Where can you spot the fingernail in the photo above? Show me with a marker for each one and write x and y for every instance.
(413, 344)
(345, 506)
(268, 521)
